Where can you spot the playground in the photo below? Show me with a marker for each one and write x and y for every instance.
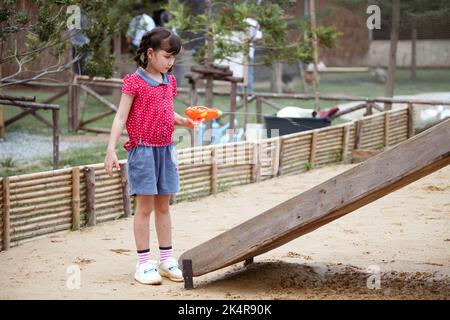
(311, 164)
(405, 235)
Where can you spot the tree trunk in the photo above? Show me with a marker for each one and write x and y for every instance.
(117, 66)
(413, 53)
(209, 59)
(393, 51)
(2, 120)
(277, 84)
(316, 87)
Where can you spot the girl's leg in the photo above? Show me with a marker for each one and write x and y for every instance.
(163, 222)
(168, 266)
(144, 206)
(146, 270)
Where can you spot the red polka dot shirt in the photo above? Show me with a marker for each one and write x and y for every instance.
(151, 118)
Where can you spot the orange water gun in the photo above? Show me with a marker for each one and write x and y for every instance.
(201, 113)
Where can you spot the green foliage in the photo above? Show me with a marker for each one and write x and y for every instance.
(8, 162)
(412, 12)
(49, 30)
(275, 21)
(309, 166)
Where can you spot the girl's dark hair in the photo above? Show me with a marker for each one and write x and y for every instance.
(158, 38)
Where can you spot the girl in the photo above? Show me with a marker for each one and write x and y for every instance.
(146, 107)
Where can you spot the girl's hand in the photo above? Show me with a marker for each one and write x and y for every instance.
(111, 162)
(188, 122)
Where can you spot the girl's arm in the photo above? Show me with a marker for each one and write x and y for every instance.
(117, 128)
(182, 121)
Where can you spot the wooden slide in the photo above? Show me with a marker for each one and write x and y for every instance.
(376, 177)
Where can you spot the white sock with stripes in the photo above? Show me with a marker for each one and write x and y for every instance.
(165, 253)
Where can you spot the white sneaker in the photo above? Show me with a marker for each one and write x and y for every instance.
(147, 273)
(169, 269)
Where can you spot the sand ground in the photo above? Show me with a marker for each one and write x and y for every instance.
(395, 248)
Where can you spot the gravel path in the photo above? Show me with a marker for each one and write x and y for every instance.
(23, 147)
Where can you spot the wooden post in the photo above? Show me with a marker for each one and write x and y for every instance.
(55, 114)
(233, 103)
(193, 102)
(188, 274)
(2, 119)
(312, 155)
(258, 110)
(245, 105)
(193, 92)
(2, 123)
(386, 129)
(214, 170)
(411, 121)
(72, 105)
(369, 109)
(276, 157)
(6, 221)
(256, 163)
(248, 262)
(90, 195)
(76, 105)
(345, 140)
(280, 157)
(75, 198)
(125, 189)
(358, 134)
(70, 101)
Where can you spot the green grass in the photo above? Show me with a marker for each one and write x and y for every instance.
(354, 84)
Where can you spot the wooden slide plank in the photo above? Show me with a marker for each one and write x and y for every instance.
(354, 188)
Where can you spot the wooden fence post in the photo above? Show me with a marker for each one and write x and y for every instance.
(76, 106)
(125, 189)
(312, 155)
(75, 198)
(280, 157)
(6, 221)
(276, 157)
(386, 129)
(2, 123)
(214, 170)
(233, 107)
(55, 115)
(358, 134)
(90, 195)
(345, 141)
(411, 121)
(258, 110)
(256, 166)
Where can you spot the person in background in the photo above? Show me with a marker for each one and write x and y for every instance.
(161, 17)
(138, 26)
(255, 37)
(79, 39)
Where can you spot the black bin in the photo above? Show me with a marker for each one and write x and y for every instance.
(292, 125)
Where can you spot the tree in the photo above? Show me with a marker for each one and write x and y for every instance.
(221, 19)
(417, 14)
(49, 31)
(397, 14)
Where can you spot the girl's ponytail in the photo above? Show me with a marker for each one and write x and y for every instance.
(158, 38)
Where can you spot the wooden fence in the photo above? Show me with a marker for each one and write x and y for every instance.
(39, 204)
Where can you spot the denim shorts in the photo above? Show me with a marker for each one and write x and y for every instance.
(153, 170)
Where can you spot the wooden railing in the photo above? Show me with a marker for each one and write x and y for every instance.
(39, 204)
